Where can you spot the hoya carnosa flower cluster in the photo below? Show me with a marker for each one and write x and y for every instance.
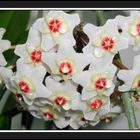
(50, 71)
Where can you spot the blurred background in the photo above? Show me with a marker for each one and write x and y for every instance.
(17, 24)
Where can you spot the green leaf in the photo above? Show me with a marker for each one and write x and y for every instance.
(9, 104)
(5, 122)
(2, 90)
(5, 17)
(15, 23)
(22, 39)
(10, 57)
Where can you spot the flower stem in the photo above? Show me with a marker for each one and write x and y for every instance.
(40, 14)
(101, 18)
(119, 65)
(129, 110)
(126, 97)
(127, 102)
(13, 46)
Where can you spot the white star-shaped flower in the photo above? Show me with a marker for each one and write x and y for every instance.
(104, 41)
(93, 108)
(31, 51)
(5, 75)
(63, 94)
(130, 27)
(77, 120)
(56, 26)
(131, 78)
(98, 80)
(66, 63)
(28, 82)
(48, 113)
(4, 45)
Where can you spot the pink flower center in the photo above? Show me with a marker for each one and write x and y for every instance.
(101, 83)
(60, 101)
(65, 68)
(138, 28)
(36, 56)
(138, 84)
(48, 115)
(95, 104)
(54, 25)
(107, 43)
(24, 87)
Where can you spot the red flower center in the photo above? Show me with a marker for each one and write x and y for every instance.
(24, 87)
(60, 101)
(65, 68)
(54, 25)
(48, 115)
(95, 104)
(138, 28)
(36, 56)
(138, 84)
(101, 83)
(107, 43)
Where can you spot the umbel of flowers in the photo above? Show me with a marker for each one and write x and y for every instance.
(49, 71)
